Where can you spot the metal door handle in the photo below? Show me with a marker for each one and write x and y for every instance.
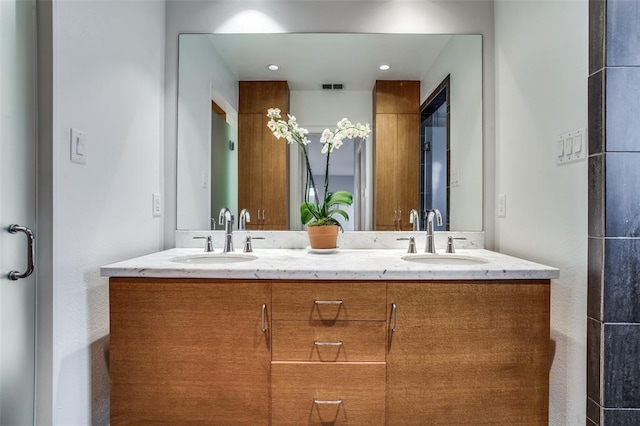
(15, 275)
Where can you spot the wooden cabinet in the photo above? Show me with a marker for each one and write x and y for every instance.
(188, 351)
(263, 160)
(468, 353)
(396, 153)
(328, 354)
(193, 351)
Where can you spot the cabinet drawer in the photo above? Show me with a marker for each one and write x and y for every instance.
(321, 393)
(328, 342)
(328, 301)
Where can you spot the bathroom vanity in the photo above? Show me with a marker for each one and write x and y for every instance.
(358, 337)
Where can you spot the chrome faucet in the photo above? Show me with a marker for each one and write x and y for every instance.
(245, 217)
(226, 218)
(414, 218)
(431, 247)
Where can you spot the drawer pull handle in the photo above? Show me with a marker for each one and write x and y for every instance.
(328, 343)
(328, 302)
(321, 402)
(264, 317)
(394, 316)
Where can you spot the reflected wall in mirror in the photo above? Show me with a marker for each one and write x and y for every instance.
(212, 65)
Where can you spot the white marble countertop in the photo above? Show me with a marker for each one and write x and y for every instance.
(343, 264)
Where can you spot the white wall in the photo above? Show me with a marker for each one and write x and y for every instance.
(108, 63)
(202, 73)
(425, 16)
(541, 76)
(461, 58)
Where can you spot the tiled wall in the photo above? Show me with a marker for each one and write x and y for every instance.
(613, 309)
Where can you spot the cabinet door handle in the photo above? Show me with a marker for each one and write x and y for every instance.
(264, 317)
(317, 343)
(15, 275)
(328, 302)
(394, 316)
(263, 216)
(324, 402)
(399, 220)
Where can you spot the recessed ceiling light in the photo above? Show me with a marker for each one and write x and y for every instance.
(384, 67)
(273, 67)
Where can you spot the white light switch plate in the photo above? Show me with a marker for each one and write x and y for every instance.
(571, 147)
(78, 146)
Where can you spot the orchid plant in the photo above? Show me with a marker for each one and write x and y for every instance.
(319, 211)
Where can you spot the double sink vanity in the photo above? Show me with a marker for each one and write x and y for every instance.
(360, 336)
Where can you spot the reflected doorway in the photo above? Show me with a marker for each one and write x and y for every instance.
(435, 150)
(346, 171)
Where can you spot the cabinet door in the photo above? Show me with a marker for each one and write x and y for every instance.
(275, 180)
(385, 185)
(250, 173)
(407, 167)
(188, 351)
(468, 353)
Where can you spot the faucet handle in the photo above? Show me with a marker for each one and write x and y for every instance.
(209, 246)
(412, 243)
(248, 248)
(450, 247)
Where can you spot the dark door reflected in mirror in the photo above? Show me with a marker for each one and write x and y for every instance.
(435, 179)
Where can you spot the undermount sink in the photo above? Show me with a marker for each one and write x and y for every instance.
(214, 258)
(444, 259)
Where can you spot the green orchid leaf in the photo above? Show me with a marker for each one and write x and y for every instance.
(339, 197)
(341, 213)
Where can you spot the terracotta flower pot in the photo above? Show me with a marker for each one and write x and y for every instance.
(323, 237)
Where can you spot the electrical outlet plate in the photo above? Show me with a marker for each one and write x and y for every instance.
(157, 205)
(502, 205)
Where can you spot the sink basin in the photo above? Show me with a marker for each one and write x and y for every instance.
(214, 258)
(444, 259)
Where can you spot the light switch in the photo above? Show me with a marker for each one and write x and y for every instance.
(560, 148)
(568, 146)
(78, 146)
(577, 144)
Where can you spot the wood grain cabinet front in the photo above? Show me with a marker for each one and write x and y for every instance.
(329, 301)
(468, 353)
(189, 351)
(328, 342)
(328, 394)
(233, 352)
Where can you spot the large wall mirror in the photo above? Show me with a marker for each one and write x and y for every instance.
(212, 65)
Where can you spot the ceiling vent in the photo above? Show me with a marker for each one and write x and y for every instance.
(332, 86)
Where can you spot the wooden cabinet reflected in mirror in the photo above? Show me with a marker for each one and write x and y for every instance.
(396, 152)
(263, 161)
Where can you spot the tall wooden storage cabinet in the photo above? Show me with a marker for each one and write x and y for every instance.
(263, 160)
(396, 107)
